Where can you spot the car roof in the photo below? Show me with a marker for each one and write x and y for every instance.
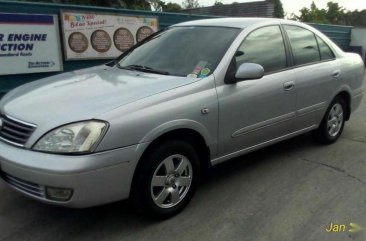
(230, 22)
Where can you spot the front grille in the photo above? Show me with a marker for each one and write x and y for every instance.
(14, 131)
(25, 186)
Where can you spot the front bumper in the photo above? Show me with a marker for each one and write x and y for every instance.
(95, 179)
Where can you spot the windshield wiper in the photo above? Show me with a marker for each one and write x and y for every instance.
(119, 65)
(144, 69)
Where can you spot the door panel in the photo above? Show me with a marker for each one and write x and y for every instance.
(317, 72)
(315, 85)
(255, 111)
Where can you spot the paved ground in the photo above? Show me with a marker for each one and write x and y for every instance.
(290, 191)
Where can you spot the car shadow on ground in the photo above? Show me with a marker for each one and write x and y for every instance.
(120, 217)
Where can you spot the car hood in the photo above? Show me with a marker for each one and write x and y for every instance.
(84, 94)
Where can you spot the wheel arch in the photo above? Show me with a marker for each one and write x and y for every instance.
(187, 128)
(189, 135)
(346, 96)
(176, 131)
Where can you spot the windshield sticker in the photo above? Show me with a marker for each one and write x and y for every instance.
(192, 76)
(205, 71)
(196, 70)
(201, 64)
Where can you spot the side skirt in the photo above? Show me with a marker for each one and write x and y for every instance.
(261, 145)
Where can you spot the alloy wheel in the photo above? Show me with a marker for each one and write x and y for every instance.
(335, 120)
(171, 181)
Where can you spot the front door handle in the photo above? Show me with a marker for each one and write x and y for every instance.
(336, 74)
(288, 85)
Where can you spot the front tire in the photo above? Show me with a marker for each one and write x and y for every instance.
(333, 122)
(166, 179)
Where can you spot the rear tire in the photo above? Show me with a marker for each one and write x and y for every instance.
(166, 179)
(333, 122)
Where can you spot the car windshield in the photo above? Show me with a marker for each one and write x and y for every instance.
(181, 51)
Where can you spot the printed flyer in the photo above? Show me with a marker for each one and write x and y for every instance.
(23, 40)
(102, 36)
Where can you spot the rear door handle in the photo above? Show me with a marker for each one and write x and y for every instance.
(288, 85)
(336, 73)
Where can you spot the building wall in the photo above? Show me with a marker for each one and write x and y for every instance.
(358, 38)
(341, 35)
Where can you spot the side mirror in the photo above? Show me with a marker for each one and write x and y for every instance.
(249, 71)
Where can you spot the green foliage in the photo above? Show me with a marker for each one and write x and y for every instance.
(278, 9)
(356, 18)
(218, 3)
(313, 14)
(332, 14)
(172, 7)
(135, 4)
(161, 6)
(190, 4)
(157, 5)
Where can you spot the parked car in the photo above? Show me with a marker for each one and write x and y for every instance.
(188, 97)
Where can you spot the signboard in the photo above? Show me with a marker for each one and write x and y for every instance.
(101, 36)
(29, 43)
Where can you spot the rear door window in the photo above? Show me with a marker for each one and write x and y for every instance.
(304, 45)
(325, 52)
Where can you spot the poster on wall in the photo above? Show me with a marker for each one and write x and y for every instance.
(103, 36)
(29, 43)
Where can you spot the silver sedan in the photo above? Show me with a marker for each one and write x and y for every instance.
(186, 98)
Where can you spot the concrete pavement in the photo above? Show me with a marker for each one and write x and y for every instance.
(289, 191)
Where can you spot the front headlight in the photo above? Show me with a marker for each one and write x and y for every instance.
(73, 138)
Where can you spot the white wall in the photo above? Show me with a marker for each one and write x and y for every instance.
(358, 38)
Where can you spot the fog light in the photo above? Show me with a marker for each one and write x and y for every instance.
(58, 194)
